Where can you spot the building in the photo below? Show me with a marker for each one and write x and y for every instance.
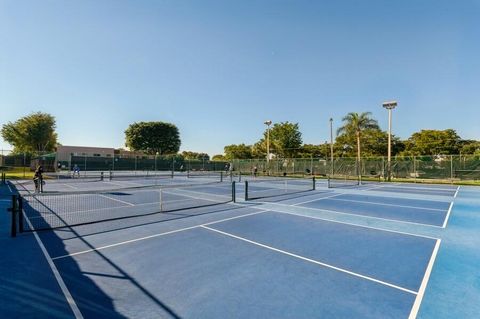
(65, 152)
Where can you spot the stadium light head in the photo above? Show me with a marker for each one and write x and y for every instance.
(390, 105)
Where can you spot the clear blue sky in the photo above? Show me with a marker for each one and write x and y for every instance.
(218, 69)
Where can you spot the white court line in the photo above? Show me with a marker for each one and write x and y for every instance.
(58, 277)
(448, 215)
(312, 261)
(416, 187)
(117, 200)
(125, 183)
(423, 286)
(356, 215)
(317, 199)
(352, 224)
(159, 234)
(456, 193)
(69, 186)
(386, 204)
(371, 187)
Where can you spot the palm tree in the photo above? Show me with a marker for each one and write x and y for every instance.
(354, 124)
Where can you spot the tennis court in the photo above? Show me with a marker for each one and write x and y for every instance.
(264, 248)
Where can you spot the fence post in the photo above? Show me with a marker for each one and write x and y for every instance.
(24, 163)
(246, 190)
(451, 169)
(14, 216)
(234, 197)
(414, 169)
(383, 168)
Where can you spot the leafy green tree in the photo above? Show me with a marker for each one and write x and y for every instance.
(195, 156)
(32, 133)
(285, 140)
(153, 137)
(259, 149)
(374, 143)
(218, 157)
(470, 147)
(238, 151)
(433, 142)
(354, 124)
(311, 150)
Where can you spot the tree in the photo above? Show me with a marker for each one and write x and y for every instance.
(374, 143)
(259, 149)
(240, 151)
(285, 139)
(433, 142)
(311, 150)
(354, 124)
(195, 156)
(469, 147)
(153, 137)
(32, 133)
(219, 157)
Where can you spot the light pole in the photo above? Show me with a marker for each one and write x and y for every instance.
(331, 145)
(390, 105)
(268, 123)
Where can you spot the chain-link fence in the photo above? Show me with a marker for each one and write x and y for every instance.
(140, 163)
(441, 168)
(22, 165)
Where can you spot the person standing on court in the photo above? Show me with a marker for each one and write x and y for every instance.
(76, 170)
(255, 171)
(38, 179)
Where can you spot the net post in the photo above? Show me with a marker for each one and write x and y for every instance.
(328, 182)
(161, 199)
(110, 175)
(20, 214)
(246, 190)
(221, 176)
(14, 217)
(314, 184)
(234, 199)
(101, 176)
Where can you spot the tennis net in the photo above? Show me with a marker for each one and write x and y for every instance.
(256, 189)
(125, 176)
(58, 210)
(343, 181)
(70, 177)
(217, 175)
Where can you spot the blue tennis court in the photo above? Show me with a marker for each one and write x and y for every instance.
(293, 250)
(400, 209)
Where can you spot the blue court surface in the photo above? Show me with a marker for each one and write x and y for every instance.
(141, 251)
